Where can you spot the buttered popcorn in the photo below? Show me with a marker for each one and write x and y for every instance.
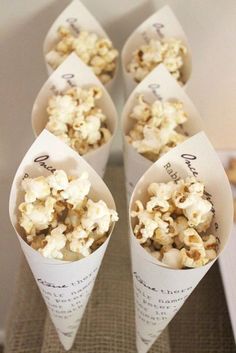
(74, 117)
(173, 225)
(157, 127)
(98, 53)
(60, 220)
(168, 51)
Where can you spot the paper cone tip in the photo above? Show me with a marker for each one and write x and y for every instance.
(141, 346)
(67, 344)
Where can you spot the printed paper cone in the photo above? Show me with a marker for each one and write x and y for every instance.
(73, 72)
(65, 286)
(161, 24)
(76, 17)
(228, 260)
(159, 84)
(159, 290)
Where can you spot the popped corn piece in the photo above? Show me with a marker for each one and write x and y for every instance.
(76, 190)
(97, 53)
(98, 217)
(75, 118)
(211, 254)
(37, 215)
(57, 127)
(63, 107)
(142, 111)
(67, 224)
(154, 130)
(146, 227)
(172, 258)
(210, 242)
(192, 238)
(55, 242)
(169, 51)
(58, 180)
(197, 211)
(81, 246)
(181, 224)
(178, 231)
(157, 203)
(162, 190)
(195, 257)
(36, 188)
(162, 237)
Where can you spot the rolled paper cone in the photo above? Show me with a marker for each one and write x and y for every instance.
(65, 286)
(159, 84)
(160, 291)
(76, 17)
(73, 72)
(228, 261)
(161, 24)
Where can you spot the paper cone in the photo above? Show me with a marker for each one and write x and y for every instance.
(65, 286)
(77, 17)
(162, 23)
(73, 72)
(160, 291)
(228, 260)
(159, 84)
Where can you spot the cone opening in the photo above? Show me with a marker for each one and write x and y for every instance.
(128, 123)
(168, 26)
(40, 115)
(219, 227)
(98, 190)
(76, 17)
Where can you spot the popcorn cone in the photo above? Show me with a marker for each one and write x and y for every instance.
(162, 23)
(65, 286)
(159, 290)
(159, 84)
(227, 262)
(76, 17)
(73, 72)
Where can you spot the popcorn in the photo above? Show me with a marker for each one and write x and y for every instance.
(157, 127)
(76, 190)
(98, 216)
(60, 220)
(55, 242)
(98, 53)
(35, 189)
(169, 51)
(172, 226)
(74, 118)
(172, 258)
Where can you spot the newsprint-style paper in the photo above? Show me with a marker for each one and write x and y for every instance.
(74, 73)
(159, 84)
(76, 17)
(65, 286)
(162, 24)
(160, 291)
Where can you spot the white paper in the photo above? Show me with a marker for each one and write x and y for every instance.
(77, 17)
(73, 72)
(159, 84)
(162, 23)
(228, 260)
(160, 291)
(65, 286)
